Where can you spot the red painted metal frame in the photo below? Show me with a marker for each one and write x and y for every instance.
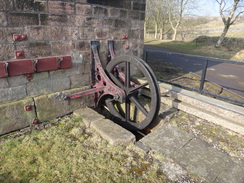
(102, 85)
(17, 67)
(46, 64)
(30, 66)
(87, 92)
(65, 62)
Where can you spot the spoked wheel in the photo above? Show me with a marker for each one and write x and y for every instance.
(142, 99)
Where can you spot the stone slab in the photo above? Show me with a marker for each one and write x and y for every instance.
(12, 94)
(226, 110)
(44, 87)
(167, 139)
(112, 132)
(88, 115)
(202, 159)
(232, 173)
(195, 155)
(51, 106)
(14, 117)
(205, 114)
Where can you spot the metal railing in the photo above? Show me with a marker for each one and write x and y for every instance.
(203, 77)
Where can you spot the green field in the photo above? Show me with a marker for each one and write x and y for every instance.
(198, 49)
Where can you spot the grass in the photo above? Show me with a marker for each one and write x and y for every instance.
(196, 49)
(70, 152)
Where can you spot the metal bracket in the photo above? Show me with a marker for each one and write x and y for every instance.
(5, 64)
(19, 37)
(59, 59)
(34, 64)
(4, 69)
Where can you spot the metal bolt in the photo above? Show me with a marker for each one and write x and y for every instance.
(28, 76)
(116, 96)
(16, 37)
(19, 54)
(35, 121)
(127, 47)
(124, 37)
(28, 107)
(23, 37)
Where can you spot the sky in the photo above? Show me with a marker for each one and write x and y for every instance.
(208, 8)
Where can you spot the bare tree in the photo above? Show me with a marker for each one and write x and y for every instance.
(229, 15)
(164, 26)
(157, 12)
(176, 12)
(153, 14)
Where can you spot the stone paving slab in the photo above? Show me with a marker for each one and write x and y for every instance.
(232, 173)
(195, 155)
(201, 159)
(167, 139)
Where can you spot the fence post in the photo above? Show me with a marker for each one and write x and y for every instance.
(145, 56)
(204, 71)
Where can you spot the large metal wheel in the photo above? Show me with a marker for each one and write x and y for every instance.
(142, 101)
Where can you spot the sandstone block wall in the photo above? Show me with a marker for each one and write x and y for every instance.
(61, 27)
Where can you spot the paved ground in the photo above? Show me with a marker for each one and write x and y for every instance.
(195, 155)
(229, 76)
(184, 153)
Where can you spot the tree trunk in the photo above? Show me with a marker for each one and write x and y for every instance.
(156, 31)
(222, 37)
(161, 34)
(145, 29)
(174, 35)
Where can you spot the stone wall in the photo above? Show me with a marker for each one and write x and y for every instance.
(60, 28)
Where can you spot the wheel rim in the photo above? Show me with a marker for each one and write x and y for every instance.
(142, 96)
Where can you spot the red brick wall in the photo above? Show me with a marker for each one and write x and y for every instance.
(65, 28)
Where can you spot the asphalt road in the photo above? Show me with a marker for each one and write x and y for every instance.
(227, 75)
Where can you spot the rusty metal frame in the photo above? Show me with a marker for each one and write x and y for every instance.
(101, 85)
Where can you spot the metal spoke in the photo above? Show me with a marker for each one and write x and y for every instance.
(135, 114)
(138, 87)
(127, 110)
(127, 75)
(139, 105)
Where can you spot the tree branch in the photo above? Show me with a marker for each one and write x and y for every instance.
(236, 17)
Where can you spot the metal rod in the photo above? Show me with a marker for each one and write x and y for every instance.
(204, 72)
(145, 56)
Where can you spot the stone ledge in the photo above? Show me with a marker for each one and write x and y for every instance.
(50, 106)
(14, 117)
(112, 132)
(88, 115)
(215, 111)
